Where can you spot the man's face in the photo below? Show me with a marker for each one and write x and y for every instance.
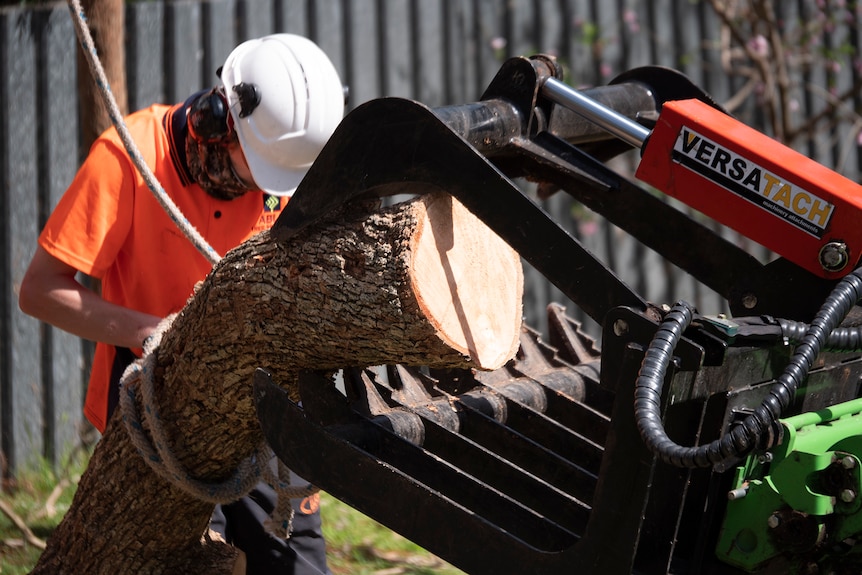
(240, 165)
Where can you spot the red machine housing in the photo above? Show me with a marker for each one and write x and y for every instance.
(755, 185)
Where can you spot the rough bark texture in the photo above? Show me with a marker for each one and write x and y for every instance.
(340, 295)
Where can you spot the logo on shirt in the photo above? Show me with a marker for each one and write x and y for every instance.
(271, 203)
(272, 206)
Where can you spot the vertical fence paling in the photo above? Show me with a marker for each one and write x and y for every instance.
(22, 401)
(6, 287)
(437, 51)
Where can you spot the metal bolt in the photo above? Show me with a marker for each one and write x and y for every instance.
(621, 327)
(738, 493)
(764, 458)
(773, 521)
(834, 256)
(848, 495)
(848, 462)
(749, 300)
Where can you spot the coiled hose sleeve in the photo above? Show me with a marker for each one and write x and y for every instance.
(746, 436)
(841, 339)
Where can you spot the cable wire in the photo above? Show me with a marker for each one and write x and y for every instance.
(755, 431)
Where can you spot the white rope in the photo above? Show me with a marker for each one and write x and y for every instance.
(138, 375)
(89, 48)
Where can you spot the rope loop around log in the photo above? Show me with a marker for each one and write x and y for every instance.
(155, 450)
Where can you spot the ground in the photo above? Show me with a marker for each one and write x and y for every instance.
(357, 545)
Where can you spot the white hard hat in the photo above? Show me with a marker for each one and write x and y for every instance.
(285, 99)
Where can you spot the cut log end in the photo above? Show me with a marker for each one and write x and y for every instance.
(468, 282)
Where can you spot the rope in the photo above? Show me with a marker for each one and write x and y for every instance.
(89, 48)
(138, 376)
(155, 450)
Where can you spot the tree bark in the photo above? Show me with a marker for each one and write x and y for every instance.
(421, 283)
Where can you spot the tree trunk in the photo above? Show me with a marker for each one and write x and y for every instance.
(106, 21)
(422, 283)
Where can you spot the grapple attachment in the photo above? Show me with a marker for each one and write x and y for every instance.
(541, 467)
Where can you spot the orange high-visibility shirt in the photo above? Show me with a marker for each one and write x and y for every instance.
(109, 225)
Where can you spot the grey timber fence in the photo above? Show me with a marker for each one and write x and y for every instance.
(439, 52)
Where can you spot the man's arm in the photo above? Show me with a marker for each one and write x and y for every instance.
(50, 293)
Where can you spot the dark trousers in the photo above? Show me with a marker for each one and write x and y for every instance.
(241, 523)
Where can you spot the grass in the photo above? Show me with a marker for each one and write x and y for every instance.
(357, 545)
(39, 498)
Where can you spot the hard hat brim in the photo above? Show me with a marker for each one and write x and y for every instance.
(275, 180)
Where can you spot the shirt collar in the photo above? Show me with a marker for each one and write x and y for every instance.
(175, 123)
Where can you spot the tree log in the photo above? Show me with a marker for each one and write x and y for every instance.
(421, 283)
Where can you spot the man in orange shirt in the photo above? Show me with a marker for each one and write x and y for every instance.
(229, 158)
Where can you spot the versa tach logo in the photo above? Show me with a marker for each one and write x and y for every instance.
(743, 177)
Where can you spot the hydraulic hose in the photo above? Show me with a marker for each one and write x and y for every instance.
(748, 435)
(841, 339)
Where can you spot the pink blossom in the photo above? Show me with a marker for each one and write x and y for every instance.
(759, 45)
(630, 17)
(588, 228)
(498, 43)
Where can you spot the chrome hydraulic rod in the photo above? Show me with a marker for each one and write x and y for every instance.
(617, 124)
